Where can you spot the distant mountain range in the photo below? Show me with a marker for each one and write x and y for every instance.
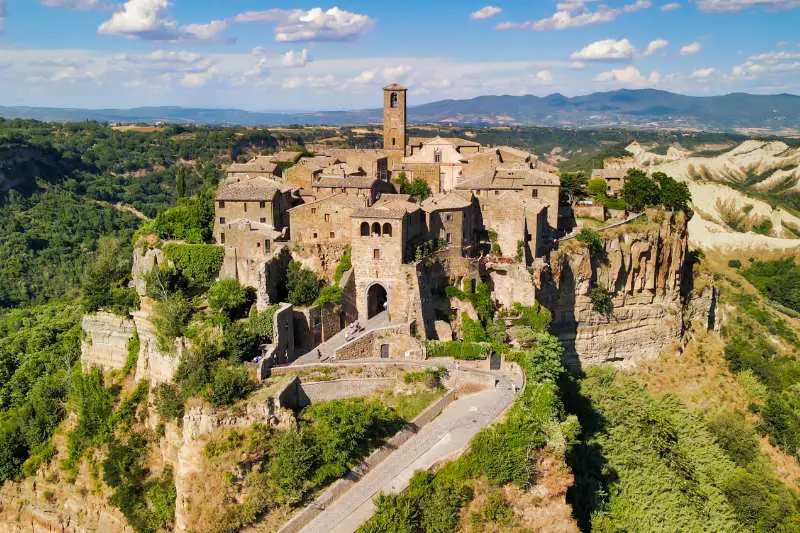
(635, 108)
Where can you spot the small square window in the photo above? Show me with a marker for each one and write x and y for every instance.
(263, 220)
(448, 217)
(333, 235)
(376, 253)
(497, 193)
(258, 245)
(221, 220)
(262, 205)
(313, 210)
(535, 193)
(315, 234)
(221, 204)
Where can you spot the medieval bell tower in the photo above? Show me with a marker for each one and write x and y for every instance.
(394, 120)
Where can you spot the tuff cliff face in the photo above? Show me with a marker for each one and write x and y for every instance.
(642, 269)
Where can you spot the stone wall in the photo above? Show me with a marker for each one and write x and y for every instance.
(105, 340)
(511, 283)
(283, 334)
(400, 343)
(643, 271)
(597, 212)
(315, 325)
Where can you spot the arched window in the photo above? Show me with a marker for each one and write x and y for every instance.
(393, 100)
(376, 229)
(437, 156)
(387, 229)
(365, 229)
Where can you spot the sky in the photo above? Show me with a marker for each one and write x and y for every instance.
(266, 55)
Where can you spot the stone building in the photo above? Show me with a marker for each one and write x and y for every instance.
(488, 159)
(518, 222)
(437, 161)
(526, 182)
(373, 163)
(259, 166)
(326, 220)
(362, 186)
(307, 170)
(262, 201)
(453, 218)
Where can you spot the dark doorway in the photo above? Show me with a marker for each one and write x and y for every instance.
(376, 300)
(384, 351)
(494, 361)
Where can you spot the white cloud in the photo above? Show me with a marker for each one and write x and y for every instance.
(770, 63)
(722, 6)
(295, 25)
(148, 19)
(606, 50)
(672, 6)
(703, 73)
(77, 4)
(691, 49)
(577, 13)
(485, 13)
(628, 76)
(196, 79)
(544, 76)
(293, 58)
(655, 46)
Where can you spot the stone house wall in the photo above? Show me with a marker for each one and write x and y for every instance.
(401, 345)
(326, 221)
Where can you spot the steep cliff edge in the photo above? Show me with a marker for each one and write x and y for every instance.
(642, 269)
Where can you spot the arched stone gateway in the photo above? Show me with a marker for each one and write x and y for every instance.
(377, 300)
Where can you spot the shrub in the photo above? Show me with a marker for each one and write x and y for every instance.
(132, 358)
(672, 194)
(735, 263)
(430, 377)
(191, 220)
(170, 317)
(240, 342)
(260, 322)
(94, 405)
(329, 294)
(229, 385)
(473, 331)
(735, 436)
(345, 264)
(597, 187)
(778, 280)
(106, 279)
(302, 284)
(464, 351)
(602, 302)
(292, 465)
(198, 263)
(495, 509)
(418, 188)
(535, 317)
(163, 281)
(229, 297)
(594, 242)
(168, 401)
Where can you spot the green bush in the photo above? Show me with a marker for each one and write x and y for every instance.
(345, 264)
(94, 405)
(473, 330)
(602, 302)
(594, 242)
(229, 297)
(106, 279)
(735, 263)
(164, 280)
(170, 317)
(240, 342)
(168, 401)
(639, 191)
(536, 317)
(597, 187)
(481, 299)
(464, 351)
(198, 263)
(735, 436)
(302, 284)
(418, 188)
(134, 345)
(329, 294)
(229, 385)
(430, 377)
(191, 220)
(260, 322)
(779, 280)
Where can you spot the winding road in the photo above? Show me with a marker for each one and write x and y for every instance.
(444, 438)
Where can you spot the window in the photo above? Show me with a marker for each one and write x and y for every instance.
(394, 141)
(448, 217)
(393, 100)
(245, 207)
(449, 238)
(497, 193)
(376, 254)
(222, 238)
(267, 246)
(376, 229)
(535, 193)
(333, 235)
(387, 229)
(263, 220)
(365, 229)
(262, 204)
(221, 220)
(315, 234)
(258, 245)
(221, 204)
(313, 210)
(437, 156)
(327, 217)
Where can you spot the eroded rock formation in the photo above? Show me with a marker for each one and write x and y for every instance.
(642, 270)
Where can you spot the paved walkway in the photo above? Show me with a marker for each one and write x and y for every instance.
(444, 438)
(328, 348)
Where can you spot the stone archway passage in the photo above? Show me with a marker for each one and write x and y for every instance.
(377, 299)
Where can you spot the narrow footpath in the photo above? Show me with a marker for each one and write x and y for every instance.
(444, 438)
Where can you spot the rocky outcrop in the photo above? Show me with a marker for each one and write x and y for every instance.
(154, 364)
(642, 272)
(144, 260)
(105, 340)
(201, 421)
(511, 283)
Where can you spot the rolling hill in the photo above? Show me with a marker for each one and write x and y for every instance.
(635, 108)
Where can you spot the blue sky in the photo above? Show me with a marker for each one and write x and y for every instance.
(280, 55)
